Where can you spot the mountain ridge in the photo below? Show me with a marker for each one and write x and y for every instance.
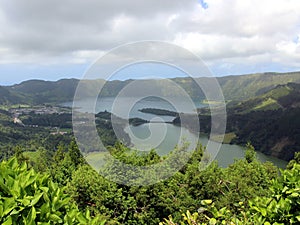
(234, 87)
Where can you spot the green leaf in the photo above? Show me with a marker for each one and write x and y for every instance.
(263, 211)
(8, 221)
(31, 216)
(36, 198)
(9, 205)
(212, 221)
(206, 202)
(55, 218)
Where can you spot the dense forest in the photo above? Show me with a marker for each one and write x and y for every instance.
(61, 188)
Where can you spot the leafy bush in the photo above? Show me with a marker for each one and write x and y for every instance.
(27, 197)
(280, 208)
(283, 206)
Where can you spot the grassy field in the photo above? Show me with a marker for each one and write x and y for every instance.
(7, 107)
(268, 104)
(227, 138)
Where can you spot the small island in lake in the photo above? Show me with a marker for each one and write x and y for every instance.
(159, 112)
(137, 121)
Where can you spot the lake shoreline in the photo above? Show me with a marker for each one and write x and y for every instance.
(145, 121)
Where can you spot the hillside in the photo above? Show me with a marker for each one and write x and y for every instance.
(39, 91)
(247, 86)
(234, 87)
(281, 97)
(270, 122)
(9, 97)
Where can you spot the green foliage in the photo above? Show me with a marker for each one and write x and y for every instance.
(244, 87)
(149, 204)
(280, 208)
(41, 160)
(250, 154)
(226, 187)
(295, 160)
(31, 198)
(129, 205)
(65, 163)
(274, 131)
(63, 120)
(231, 191)
(7, 97)
(28, 138)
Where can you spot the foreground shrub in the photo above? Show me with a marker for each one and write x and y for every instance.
(30, 198)
(280, 207)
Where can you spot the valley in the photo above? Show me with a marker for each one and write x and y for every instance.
(262, 135)
(266, 114)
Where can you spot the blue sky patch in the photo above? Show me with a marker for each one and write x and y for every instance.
(296, 40)
(203, 4)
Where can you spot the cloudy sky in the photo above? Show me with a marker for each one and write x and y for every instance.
(53, 39)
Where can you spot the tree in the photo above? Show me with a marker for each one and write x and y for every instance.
(66, 163)
(250, 154)
(74, 154)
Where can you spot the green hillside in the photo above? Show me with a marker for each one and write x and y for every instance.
(9, 97)
(247, 86)
(39, 91)
(281, 97)
(270, 122)
(234, 87)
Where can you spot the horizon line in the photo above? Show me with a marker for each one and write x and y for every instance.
(123, 80)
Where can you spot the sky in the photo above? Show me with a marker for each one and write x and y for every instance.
(53, 39)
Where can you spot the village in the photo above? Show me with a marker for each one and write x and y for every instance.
(38, 110)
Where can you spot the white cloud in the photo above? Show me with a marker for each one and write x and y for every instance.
(288, 47)
(227, 31)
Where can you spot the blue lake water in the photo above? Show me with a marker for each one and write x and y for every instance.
(163, 136)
